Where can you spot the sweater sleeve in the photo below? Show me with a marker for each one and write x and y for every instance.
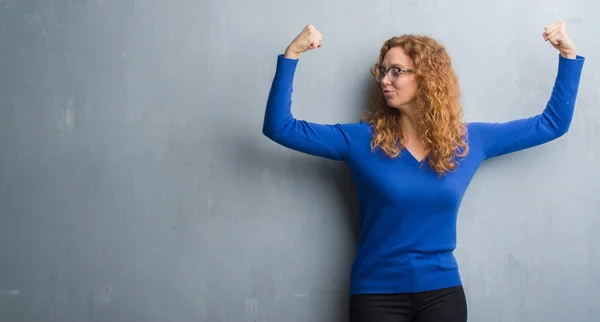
(324, 140)
(501, 138)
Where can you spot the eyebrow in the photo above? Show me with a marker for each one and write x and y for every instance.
(394, 65)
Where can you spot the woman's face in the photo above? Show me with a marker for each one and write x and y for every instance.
(399, 86)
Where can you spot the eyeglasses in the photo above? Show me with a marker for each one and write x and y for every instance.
(393, 72)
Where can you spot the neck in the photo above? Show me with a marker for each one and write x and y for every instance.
(408, 123)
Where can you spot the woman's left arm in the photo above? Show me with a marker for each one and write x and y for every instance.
(502, 138)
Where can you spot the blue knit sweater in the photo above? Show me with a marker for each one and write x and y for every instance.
(407, 212)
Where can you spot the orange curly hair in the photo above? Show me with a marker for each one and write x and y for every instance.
(438, 105)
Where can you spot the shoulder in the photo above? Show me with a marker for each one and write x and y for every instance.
(473, 128)
(475, 132)
(357, 130)
(357, 134)
(358, 127)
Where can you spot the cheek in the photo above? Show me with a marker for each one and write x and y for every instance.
(407, 89)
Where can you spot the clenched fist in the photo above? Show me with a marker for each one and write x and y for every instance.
(557, 34)
(309, 38)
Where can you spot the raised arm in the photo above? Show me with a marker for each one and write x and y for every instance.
(329, 141)
(502, 138)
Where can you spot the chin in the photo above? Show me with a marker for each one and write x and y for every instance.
(402, 107)
(391, 102)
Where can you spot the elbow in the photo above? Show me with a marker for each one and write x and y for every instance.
(271, 131)
(268, 132)
(555, 127)
(279, 132)
(561, 130)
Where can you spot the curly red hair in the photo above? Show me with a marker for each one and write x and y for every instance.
(438, 105)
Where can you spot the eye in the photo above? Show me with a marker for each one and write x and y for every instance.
(396, 71)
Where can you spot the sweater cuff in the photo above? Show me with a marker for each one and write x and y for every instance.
(286, 67)
(570, 68)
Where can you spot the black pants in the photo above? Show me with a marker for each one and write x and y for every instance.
(443, 305)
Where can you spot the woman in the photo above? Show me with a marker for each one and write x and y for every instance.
(411, 158)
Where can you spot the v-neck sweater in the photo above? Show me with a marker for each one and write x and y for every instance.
(407, 212)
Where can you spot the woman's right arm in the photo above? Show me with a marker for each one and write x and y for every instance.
(329, 141)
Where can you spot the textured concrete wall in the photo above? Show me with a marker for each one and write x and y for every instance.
(136, 185)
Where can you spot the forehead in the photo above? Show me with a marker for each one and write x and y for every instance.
(397, 57)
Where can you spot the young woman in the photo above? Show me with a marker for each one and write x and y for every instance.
(412, 158)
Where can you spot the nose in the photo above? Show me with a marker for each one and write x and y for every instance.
(386, 80)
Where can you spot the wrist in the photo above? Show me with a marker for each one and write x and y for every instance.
(568, 54)
(290, 53)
